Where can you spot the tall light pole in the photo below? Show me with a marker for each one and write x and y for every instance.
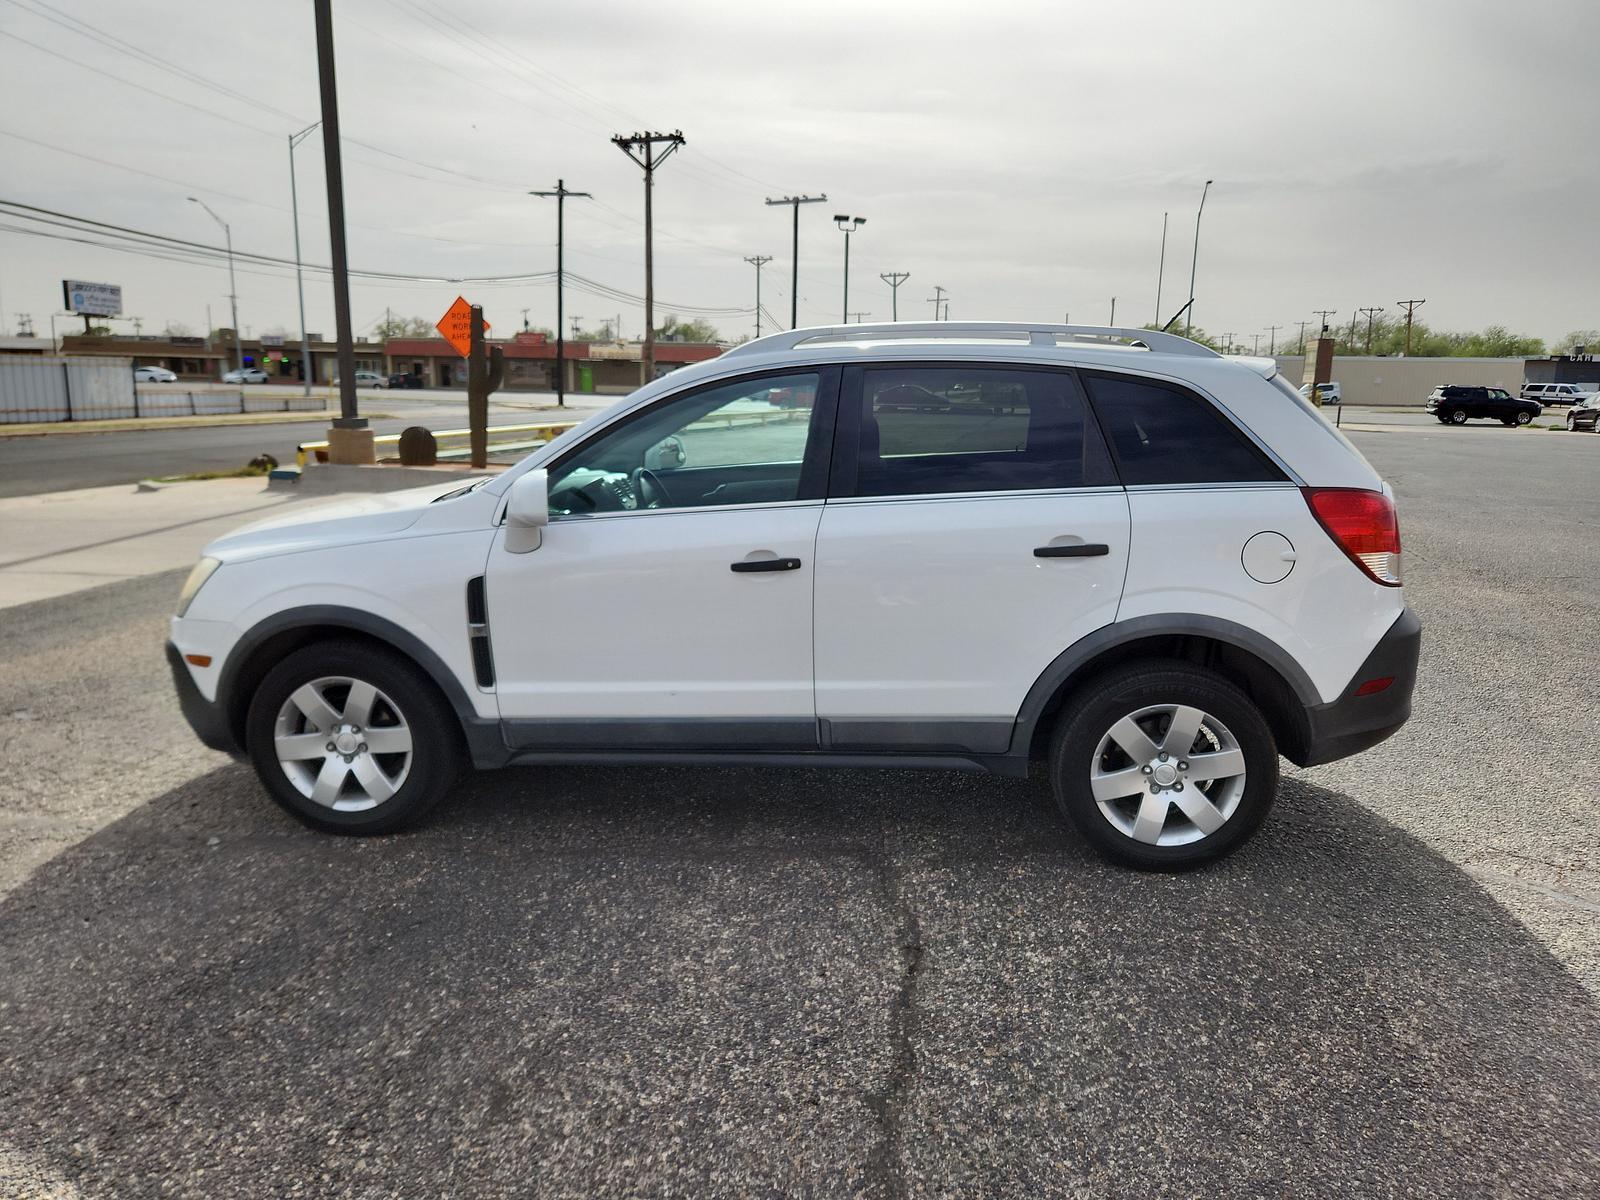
(561, 193)
(350, 438)
(849, 225)
(894, 279)
(1161, 267)
(794, 278)
(233, 292)
(758, 261)
(1188, 321)
(299, 279)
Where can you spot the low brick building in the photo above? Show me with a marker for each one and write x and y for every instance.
(602, 367)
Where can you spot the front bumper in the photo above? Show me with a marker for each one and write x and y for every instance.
(1353, 723)
(208, 719)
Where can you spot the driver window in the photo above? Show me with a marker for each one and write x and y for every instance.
(742, 443)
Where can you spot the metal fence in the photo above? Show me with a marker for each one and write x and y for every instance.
(97, 389)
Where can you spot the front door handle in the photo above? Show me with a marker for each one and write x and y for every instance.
(767, 564)
(1078, 550)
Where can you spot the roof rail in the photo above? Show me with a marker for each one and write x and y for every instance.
(1036, 334)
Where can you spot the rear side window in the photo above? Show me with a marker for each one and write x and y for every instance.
(957, 428)
(1162, 433)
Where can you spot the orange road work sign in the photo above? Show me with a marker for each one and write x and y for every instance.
(456, 325)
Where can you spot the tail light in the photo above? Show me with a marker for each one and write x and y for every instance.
(1363, 524)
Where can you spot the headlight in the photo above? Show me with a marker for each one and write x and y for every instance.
(203, 571)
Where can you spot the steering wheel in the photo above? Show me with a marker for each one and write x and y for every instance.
(648, 489)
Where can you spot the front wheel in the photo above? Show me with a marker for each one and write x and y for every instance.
(1163, 766)
(352, 739)
(1572, 423)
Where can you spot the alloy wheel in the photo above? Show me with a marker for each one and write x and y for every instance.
(1168, 775)
(343, 743)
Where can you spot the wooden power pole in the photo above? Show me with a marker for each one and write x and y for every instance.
(1410, 306)
(641, 147)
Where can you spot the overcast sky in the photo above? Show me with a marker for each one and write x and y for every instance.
(1018, 155)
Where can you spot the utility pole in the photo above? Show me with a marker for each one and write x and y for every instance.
(233, 292)
(1113, 320)
(1303, 325)
(525, 320)
(350, 437)
(849, 225)
(1324, 313)
(575, 327)
(641, 147)
(1188, 321)
(1161, 269)
(1353, 316)
(1371, 313)
(1410, 307)
(894, 279)
(758, 261)
(1255, 346)
(561, 193)
(857, 316)
(299, 277)
(794, 277)
(1227, 341)
(1272, 346)
(936, 300)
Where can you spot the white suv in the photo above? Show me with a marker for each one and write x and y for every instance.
(970, 546)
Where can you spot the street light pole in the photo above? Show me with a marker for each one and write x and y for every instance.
(849, 224)
(351, 437)
(561, 193)
(233, 291)
(1188, 321)
(299, 278)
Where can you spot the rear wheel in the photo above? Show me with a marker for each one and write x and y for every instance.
(1163, 766)
(1522, 418)
(352, 739)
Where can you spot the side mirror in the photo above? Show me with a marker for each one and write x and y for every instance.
(527, 511)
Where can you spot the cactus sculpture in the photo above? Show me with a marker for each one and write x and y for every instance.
(484, 373)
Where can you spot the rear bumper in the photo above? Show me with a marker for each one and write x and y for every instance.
(207, 718)
(1353, 723)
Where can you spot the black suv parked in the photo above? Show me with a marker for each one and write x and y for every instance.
(1455, 404)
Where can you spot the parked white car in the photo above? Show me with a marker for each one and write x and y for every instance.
(1328, 393)
(1150, 568)
(153, 375)
(246, 375)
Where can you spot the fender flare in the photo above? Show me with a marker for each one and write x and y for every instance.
(484, 740)
(1071, 660)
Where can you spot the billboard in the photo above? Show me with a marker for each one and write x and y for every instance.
(92, 299)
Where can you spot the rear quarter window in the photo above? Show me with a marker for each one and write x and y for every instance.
(1161, 433)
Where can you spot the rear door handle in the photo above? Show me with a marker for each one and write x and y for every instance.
(767, 564)
(1079, 550)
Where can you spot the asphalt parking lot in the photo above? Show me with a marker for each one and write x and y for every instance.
(732, 982)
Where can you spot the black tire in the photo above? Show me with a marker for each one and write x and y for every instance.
(1458, 416)
(1522, 418)
(1124, 690)
(1572, 423)
(436, 741)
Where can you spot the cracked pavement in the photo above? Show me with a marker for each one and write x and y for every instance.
(741, 982)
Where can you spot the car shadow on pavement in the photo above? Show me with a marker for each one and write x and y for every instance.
(705, 981)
